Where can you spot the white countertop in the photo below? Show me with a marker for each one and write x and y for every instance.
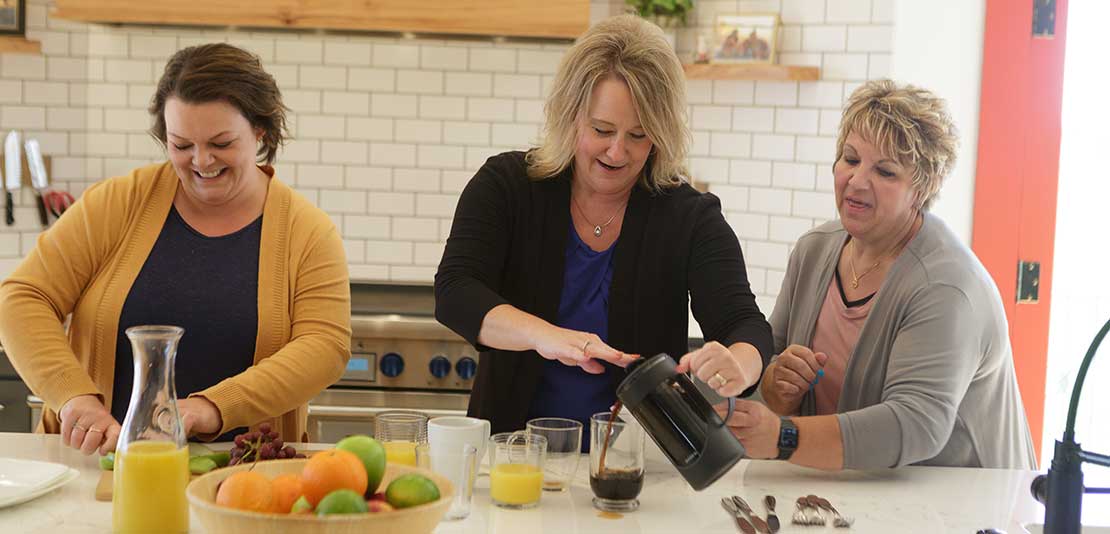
(913, 499)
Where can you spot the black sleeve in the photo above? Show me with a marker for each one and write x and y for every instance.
(720, 296)
(474, 256)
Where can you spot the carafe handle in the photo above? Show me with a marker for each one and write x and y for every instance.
(731, 408)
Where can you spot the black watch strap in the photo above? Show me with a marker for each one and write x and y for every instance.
(788, 438)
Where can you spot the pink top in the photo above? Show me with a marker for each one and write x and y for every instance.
(836, 334)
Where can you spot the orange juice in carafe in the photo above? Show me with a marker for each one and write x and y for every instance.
(148, 490)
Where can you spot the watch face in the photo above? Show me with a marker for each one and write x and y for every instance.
(788, 439)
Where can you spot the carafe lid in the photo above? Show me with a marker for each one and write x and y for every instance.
(643, 375)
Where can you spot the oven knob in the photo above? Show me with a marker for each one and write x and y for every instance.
(466, 367)
(392, 365)
(440, 366)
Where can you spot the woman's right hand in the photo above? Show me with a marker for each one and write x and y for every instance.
(88, 426)
(581, 349)
(794, 371)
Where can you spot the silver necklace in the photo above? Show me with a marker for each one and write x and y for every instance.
(597, 227)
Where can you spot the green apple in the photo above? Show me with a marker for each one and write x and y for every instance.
(372, 454)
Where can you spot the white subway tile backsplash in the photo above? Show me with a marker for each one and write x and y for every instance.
(367, 227)
(796, 121)
(66, 119)
(376, 178)
(709, 170)
(428, 253)
(436, 205)
(878, 66)
(369, 273)
(469, 83)
(770, 201)
(699, 91)
(466, 133)
(355, 250)
(516, 85)
(23, 117)
(821, 150)
(821, 94)
(711, 118)
(411, 273)
(101, 94)
(733, 92)
(757, 278)
(415, 229)
(812, 59)
(538, 61)
(699, 145)
(869, 39)
(824, 38)
(369, 129)
(394, 105)
(750, 172)
(144, 146)
(730, 145)
(789, 229)
(50, 93)
(128, 70)
(102, 44)
(353, 152)
(317, 77)
(817, 205)
(774, 282)
(321, 126)
(733, 198)
(127, 120)
(399, 56)
(768, 255)
(830, 122)
(342, 102)
(769, 93)
(443, 57)
(9, 246)
(420, 82)
(52, 43)
(794, 175)
(441, 156)
(23, 66)
(339, 201)
(882, 11)
(138, 95)
(848, 11)
(363, 79)
(418, 131)
(749, 225)
(156, 47)
(319, 176)
(302, 101)
(492, 59)
(341, 53)
(845, 67)
(515, 134)
(391, 203)
(773, 147)
(803, 11)
(442, 107)
(490, 109)
(790, 39)
(11, 92)
(98, 144)
(300, 150)
(455, 181)
(530, 111)
(392, 155)
(416, 180)
(79, 169)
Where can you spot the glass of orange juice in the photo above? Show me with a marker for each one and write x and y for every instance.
(516, 469)
(400, 431)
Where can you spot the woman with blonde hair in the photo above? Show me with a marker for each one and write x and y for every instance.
(892, 342)
(567, 261)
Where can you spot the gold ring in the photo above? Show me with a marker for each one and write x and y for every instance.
(584, 345)
(721, 381)
(91, 430)
(78, 425)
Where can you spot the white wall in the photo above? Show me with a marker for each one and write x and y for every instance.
(938, 45)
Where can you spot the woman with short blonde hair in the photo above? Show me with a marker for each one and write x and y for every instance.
(567, 261)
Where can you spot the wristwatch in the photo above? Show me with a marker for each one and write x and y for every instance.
(788, 438)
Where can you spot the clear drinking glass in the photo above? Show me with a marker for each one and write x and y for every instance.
(616, 463)
(516, 469)
(564, 448)
(400, 431)
(152, 460)
(460, 467)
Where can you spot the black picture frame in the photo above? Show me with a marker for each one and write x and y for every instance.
(13, 17)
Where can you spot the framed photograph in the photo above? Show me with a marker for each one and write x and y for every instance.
(12, 16)
(745, 38)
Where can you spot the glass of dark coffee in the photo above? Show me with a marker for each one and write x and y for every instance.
(616, 462)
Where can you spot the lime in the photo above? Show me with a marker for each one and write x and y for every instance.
(340, 501)
(372, 455)
(108, 461)
(411, 490)
(221, 458)
(201, 465)
(301, 506)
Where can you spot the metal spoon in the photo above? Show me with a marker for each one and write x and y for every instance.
(839, 521)
(772, 519)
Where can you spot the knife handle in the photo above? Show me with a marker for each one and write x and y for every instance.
(744, 525)
(9, 209)
(42, 210)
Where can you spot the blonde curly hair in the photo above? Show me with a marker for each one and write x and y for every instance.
(907, 123)
(636, 52)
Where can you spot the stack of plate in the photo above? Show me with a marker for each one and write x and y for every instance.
(23, 480)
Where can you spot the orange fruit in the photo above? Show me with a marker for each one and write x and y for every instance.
(287, 488)
(330, 470)
(246, 490)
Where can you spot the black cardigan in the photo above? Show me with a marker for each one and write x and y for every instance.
(507, 246)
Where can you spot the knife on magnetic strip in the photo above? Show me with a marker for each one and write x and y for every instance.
(13, 174)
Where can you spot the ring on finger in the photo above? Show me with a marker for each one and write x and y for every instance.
(721, 381)
(584, 345)
(91, 430)
(79, 427)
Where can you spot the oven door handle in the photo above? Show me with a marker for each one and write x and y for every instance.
(316, 410)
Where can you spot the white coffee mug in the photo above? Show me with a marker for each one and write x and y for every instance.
(448, 434)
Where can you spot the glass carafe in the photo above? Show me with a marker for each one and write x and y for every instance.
(152, 459)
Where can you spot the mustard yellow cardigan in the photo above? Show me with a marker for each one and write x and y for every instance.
(85, 265)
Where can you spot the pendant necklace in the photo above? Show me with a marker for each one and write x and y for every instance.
(852, 266)
(597, 227)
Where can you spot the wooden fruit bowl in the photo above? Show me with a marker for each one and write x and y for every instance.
(218, 519)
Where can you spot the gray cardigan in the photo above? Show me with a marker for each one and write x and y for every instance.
(931, 380)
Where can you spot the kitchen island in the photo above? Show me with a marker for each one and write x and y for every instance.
(913, 499)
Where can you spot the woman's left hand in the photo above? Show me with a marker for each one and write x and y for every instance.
(756, 426)
(718, 367)
(199, 416)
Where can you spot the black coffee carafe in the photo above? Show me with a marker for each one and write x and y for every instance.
(679, 420)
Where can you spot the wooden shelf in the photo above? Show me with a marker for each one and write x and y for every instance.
(565, 19)
(19, 45)
(751, 71)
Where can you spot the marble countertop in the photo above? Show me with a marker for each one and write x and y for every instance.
(912, 499)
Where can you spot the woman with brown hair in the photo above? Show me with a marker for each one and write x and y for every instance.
(566, 261)
(209, 240)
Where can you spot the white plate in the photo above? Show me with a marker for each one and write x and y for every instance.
(32, 493)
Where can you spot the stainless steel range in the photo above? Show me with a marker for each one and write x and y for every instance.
(401, 358)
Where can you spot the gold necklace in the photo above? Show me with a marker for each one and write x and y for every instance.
(597, 227)
(852, 266)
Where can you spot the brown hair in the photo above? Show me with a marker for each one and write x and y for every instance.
(634, 51)
(909, 124)
(222, 72)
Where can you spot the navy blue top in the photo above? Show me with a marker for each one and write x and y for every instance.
(209, 287)
(566, 391)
